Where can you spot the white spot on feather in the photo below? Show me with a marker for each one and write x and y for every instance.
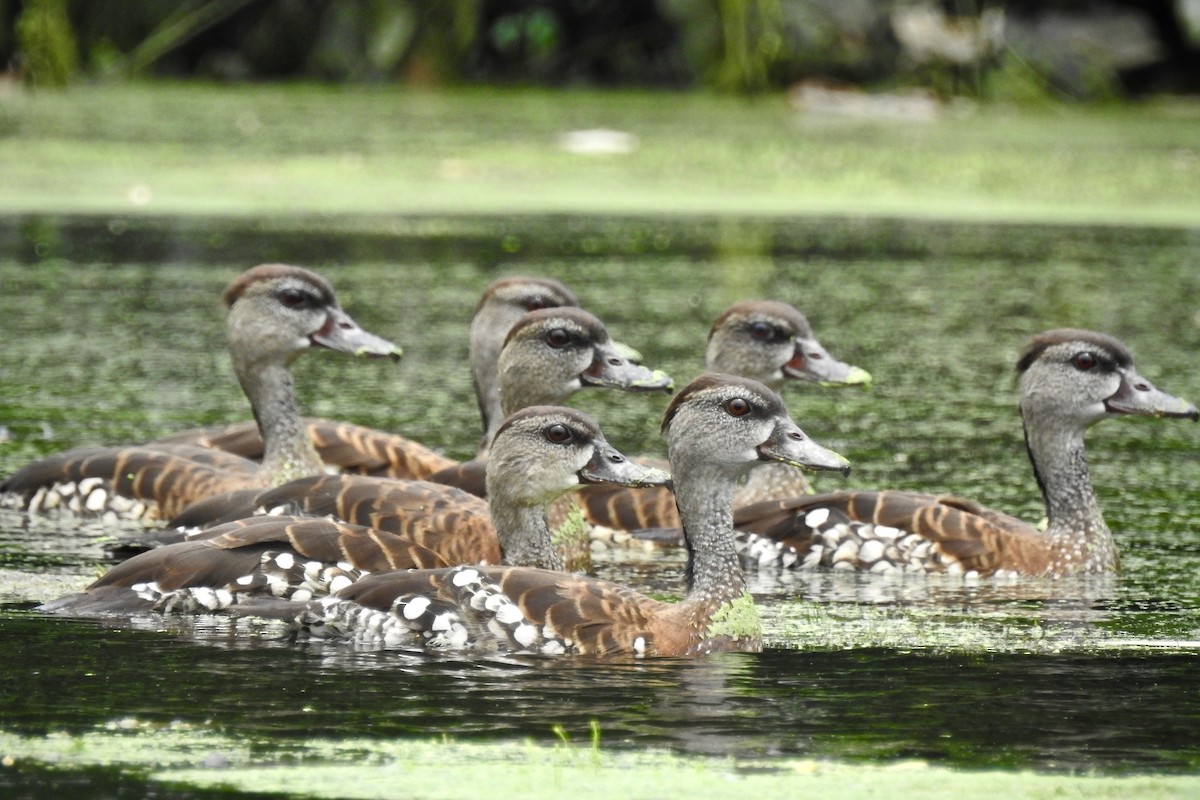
(415, 607)
(464, 576)
(95, 500)
(871, 551)
(847, 551)
(525, 635)
(509, 613)
(817, 517)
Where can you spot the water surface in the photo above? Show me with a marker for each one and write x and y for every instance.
(113, 333)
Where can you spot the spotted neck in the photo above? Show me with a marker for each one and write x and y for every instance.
(287, 451)
(1079, 538)
(525, 537)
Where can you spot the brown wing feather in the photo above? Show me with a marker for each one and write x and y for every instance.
(961, 530)
(593, 617)
(653, 508)
(240, 438)
(171, 476)
(453, 523)
(470, 476)
(229, 556)
(353, 448)
(184, 564)
(327, 541)
(627, 509)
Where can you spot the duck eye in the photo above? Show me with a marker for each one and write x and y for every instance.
(558, 434)
(737, 407)
(761, 331)
(1084, 361)
(558, 338)
(294, 298)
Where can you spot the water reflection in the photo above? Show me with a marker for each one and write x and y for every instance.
(1067, 712)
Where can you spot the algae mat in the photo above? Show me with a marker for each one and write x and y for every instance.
(189, 758)
(176, 148)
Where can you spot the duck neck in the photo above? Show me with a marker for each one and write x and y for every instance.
(714, 574)
(519, 389)
(483, 354)
(1078, 535)
(525, 537)
(288, 453)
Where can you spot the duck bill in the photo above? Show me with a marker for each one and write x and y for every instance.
(611, 369)
(1136, 395)
(627, 352)
(811, 362)
(608, 465)
(789, 445)
(340, 332)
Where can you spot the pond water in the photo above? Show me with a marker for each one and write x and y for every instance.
(113, 333)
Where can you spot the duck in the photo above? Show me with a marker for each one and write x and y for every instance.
(1069, 380)
(539, 454)
(276, 313)
(716, 428)
(359, 449)
(292, 557)
(770, 341)
(548, 356)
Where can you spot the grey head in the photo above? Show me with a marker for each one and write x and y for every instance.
(725, 424)
(552, 353)
(502, 305)
(1071, 379)
(773, 343)
(277, 311)
(543, 452)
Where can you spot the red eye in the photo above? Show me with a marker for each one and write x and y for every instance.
(536, 304)
(293, 298)
(1084, 361)
(558, 434)
(761, 331)
(737, 407)
(558, 338)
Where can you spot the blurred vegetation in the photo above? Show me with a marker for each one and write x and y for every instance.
(195, 149)
(47, 42)
(1073, 48)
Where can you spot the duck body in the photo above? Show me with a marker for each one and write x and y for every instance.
(547, 357)
(289, 558)
(716, 427)
(540, 454)
(519, 610)
(1070, 379)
